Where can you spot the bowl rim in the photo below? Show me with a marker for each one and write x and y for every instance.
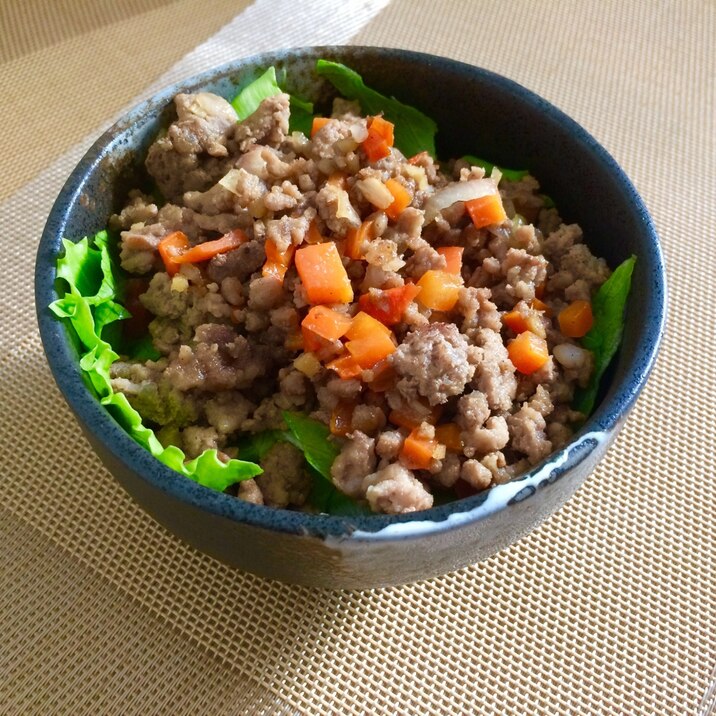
(97, 421)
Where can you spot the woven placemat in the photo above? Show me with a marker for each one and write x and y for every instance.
(607, 608)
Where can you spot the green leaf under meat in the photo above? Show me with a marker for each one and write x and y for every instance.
(267, 85)
(88, 269)
(606, 333)
(414, 131)
(312, 438)
(509, 174)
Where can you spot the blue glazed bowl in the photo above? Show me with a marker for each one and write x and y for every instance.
(477, 112)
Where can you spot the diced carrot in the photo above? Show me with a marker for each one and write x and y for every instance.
(401, 198)
(313, 235)
(318, 123)
(528, 352)
(379, 140)
(310, 341)
(388, 305)
(171, 246)
(539, 290)
(346, 367)
(326, 323)
(209, 249)
(539, 305)
(277, 263)
(439, 290)
(407, 419)
(448, 435)
(418, 452)
(515, 321)
(364, 326)
(356, 239)
(340, 422)
(383, 128)
(371, 349)
(486, 210)
(576, 319)
(323, 275)
(453, 258)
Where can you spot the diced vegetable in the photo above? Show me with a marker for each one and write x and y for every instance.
(515, 321)
(381, 377)
(318, 123)
(369, 341)
(379, 140)
(340, 421)
(539, 290)
(453, 258)
(313, 235)
(486, 210)
(418, 452)
(457, 191)
(405, 418)
(369, 350)
(414, 131)
(439, 290)
(326, 323)
(248, 100)
(576, 320)
(364, 325)
(308, 364)
(346, 367)
(528, 352)
(448, 435)
(401, 198)
(209, 249)
(323, 275)
(277, 263)
(606, 334)
(170, 247)
(388, 305)
(356, 239)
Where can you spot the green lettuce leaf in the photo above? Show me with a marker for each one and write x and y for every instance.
(88, 306)
(509, 174)
(325, 497)
(254, 446)
(414, 131)
(312, 438)
(606, 333)
(248, 100)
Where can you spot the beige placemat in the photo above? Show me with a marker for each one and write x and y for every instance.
(607, 608)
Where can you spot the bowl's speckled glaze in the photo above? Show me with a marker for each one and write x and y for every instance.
(477, 112)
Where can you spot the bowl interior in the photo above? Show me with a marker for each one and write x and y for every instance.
(477, 112)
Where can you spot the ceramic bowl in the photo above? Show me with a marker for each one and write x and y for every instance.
(477, 112)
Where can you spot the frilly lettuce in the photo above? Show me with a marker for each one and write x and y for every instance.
(89, 305)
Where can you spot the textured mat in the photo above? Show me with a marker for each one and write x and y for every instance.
(608, 608)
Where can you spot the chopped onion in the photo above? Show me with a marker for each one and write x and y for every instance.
(457, 191)
(230, 180)
(417, 174)
(570, 356)
(359, 131)
(375, 192)
(344, 208)
(207, 105)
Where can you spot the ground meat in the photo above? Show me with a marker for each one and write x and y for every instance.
(268, 125)
(495, 374)
(389, 443)
(240, 263)
(527, 428)
(395, 490)
(249, 491)
(434, 361)
(476, 474)
(284, 480)
(335, 209)
(196, 440)
(227, 411)
(356, 460)
(231, 338)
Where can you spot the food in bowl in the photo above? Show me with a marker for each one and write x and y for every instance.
(317, 314)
